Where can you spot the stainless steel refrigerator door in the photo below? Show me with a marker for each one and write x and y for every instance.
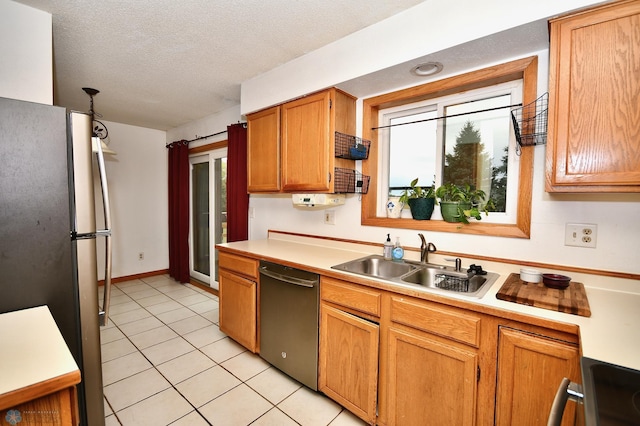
(85, 224)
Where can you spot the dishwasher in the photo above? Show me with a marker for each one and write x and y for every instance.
(289, 303)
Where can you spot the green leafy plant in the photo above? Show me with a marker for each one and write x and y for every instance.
(470, 201)
(417, 192)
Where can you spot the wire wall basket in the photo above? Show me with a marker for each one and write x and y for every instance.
(351, 147)
(350, 181)
(530, 122)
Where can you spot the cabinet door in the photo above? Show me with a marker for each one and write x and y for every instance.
(530, 369)
(263, 150)
(305, 144)
(238, 309)
(430, 382)
(594, 136)
(349, 361)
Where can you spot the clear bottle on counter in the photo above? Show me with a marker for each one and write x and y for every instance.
(398, 252)
(388, 248)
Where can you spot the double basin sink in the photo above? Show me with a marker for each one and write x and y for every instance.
(421, 275)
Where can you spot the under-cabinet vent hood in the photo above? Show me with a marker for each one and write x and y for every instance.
(317, 200)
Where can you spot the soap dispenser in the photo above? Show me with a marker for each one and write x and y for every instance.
(398, 252)
(388, 248)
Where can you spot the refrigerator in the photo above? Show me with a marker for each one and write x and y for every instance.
(48, 164)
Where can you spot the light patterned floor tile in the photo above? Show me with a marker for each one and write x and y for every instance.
(155, 299)
(130, 316)
(189, 324)
(192, 299)
(134, 389)
(145, 294)
(110, 334)
(213, 316)
(116, 349)
(205, 306)
(135, 288)
(274, 385)
(239, 406)
(185, 366)
(165, 351)
(123, 367)
(204, 336)
(207, 385)
(170, 305)
(192, 419)
(160, 409)
(176, 293)
(130, 305)
(274, 417)
(153, 337)
(310, 408)
(116, 299)
(222, 350)
(245, 366)
(140, 326)
(175, 315)
(111, 421)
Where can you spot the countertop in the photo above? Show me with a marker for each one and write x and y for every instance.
(35, 360)
(611, 334)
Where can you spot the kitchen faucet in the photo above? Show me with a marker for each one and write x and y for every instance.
(425, 249)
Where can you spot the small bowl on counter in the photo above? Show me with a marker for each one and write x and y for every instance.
(530, 275)
(556, 281)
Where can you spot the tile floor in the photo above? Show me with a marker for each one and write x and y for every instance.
(166, 362)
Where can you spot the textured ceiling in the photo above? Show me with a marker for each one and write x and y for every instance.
(164, 63)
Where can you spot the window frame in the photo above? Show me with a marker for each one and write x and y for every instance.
(525, 69)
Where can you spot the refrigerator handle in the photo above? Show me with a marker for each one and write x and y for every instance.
(106, 299)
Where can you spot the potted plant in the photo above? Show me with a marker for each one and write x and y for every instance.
(421, 200)
(459, 203)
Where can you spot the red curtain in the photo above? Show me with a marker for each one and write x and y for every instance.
(179, 211)
(237, 196)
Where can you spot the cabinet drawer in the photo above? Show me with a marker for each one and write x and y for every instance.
(350, 296)
(239, 264)
(447, 322)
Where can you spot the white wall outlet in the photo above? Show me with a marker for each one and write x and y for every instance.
(330, 217)
(141, 255)
(580, 235)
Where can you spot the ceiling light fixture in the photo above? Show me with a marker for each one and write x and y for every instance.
(98, 129)
(427, 68)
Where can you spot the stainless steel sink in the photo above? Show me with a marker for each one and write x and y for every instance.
(376, 266)
(459, 282)
(421, 275)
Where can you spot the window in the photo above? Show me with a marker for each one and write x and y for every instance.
(507, 176)
(460, 139)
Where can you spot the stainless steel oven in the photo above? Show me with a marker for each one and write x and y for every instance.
(289, 303)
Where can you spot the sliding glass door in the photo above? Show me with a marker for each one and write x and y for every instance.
(208, 224)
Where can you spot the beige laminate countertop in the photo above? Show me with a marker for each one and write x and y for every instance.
(611, 334)
(35, 359)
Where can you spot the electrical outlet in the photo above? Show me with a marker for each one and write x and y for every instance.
(330, 217)
(141, 255)
(580, 235)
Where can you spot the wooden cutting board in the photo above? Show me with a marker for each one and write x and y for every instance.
(571, 300)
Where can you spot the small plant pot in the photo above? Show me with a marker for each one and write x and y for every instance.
(450, 211)
(421, 208)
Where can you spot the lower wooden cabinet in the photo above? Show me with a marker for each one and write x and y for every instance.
(349, 361)
(430, 381)
(238, 309)
(530, 369)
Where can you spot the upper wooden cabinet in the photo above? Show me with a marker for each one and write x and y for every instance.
(594, 121)
(291, 147)
(263, 151)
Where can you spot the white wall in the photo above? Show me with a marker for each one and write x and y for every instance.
(206, 126)
(615, 215)
(138, 187)
(26, 67)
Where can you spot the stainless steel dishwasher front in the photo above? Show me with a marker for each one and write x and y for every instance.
(289, 303)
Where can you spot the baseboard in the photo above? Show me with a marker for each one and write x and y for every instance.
(115, 280)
